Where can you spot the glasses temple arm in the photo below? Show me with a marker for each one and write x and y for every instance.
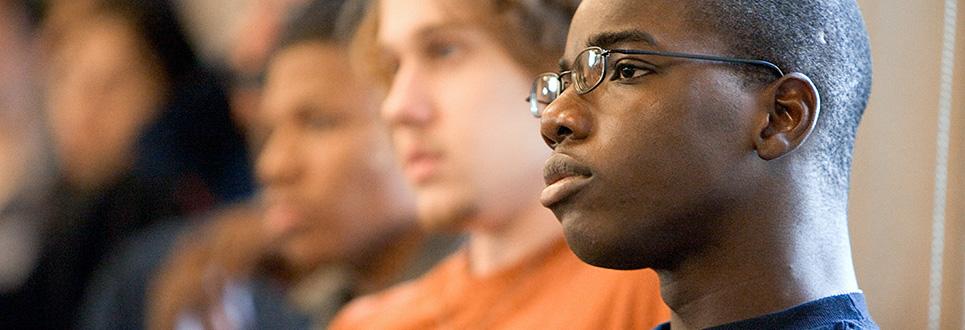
(763, 63)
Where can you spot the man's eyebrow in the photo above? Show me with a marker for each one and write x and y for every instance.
(607, 40)
(423, 33)
(440, 28)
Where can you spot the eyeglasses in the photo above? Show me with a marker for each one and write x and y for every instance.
(590, 68)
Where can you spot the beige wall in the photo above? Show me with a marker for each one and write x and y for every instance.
(895, 160)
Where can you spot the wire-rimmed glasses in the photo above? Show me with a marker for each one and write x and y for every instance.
(590, 67)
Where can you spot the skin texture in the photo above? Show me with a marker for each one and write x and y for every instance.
(333, 191)
(460, 127)
(103, 89)
(684, 167)
(15, 102)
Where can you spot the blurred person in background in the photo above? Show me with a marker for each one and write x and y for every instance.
(457, 74)
(338, 219)
(117, 296)
(24, 163)
(261, 27)
(126, 96)
(140, 131)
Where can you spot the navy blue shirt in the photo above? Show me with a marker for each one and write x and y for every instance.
(847, 311)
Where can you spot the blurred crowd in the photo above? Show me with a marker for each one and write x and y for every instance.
(127, 177)
(372, 164)
(218, 164)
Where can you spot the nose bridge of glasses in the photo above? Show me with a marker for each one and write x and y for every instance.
(563, 78)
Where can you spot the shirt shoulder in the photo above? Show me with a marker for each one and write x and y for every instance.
(847, 311)
(365, 311)
(582, 296)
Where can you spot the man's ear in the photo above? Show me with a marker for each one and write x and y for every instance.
(791, 117)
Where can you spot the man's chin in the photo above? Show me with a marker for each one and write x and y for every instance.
(301, 259)
(598, 247)
(444, 222)
(441, 211)
(608, 258)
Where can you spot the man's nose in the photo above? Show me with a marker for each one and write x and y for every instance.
(407, 102)
(566, 120)
(277, 163)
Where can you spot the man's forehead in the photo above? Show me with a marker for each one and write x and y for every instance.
(615, 39)
(598, 16)
(606, 23)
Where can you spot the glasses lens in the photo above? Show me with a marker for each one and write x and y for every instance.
(546, 89)
(588, 69)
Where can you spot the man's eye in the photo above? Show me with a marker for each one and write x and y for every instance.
(625, 71)
(442, 50)
(315, 119)
(322, 123)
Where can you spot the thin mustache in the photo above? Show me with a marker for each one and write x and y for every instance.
(558, 167)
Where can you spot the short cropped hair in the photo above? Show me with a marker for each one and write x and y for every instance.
(823, 39)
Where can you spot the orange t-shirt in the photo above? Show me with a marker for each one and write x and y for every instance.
(551, 289)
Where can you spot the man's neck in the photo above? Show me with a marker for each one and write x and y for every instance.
(761, 269)
(494, 249)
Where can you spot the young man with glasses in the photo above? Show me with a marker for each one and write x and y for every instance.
(711, 141)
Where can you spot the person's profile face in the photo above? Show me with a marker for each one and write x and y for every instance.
(103, 89)
(456, 106)
(332, 188)
(644, 160)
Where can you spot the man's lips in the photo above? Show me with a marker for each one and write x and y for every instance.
(283, 216)
(564, 176)
(421, 165)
